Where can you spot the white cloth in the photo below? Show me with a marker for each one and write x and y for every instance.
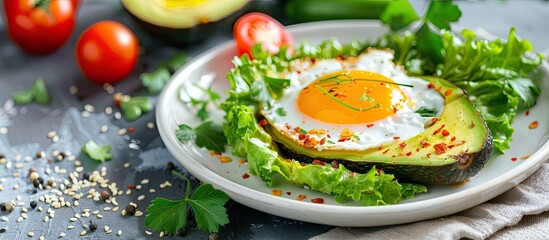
(520, 213)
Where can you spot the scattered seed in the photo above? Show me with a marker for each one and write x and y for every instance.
(119, 233)
(30, 234)
(104, 129)
(62, 234)
(130, 209)
(83, 233)
(5, 219)
(2, 230)
(93, 226)
(33, 204)
(138, 214)
(3, 130)
(150, 125)
(145, 181)
(148, 233)
(42, 238)
(140, 197)
(105, 195)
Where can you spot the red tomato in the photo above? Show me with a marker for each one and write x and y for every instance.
(107, 52)
(39, 27)
(255, 28)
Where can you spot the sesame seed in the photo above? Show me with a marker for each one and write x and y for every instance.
(52, 134)
(152, 190)
(73, 219)
(70, 226)
(3, 130)
(126, 165)
(138, 214)
(115, 209)
(150, 125)
(140, 197)
(24, 215)
(85, 114)
(42, 238)
(108, 110)
(55, 138)
(117, 115)
(161, 234)
(15, 186)
(104, 129)
(73, 90)
(20, 219)
(5, 219)
(148, 233)
(30, 234)
(62, 234)
(83, 233)
(119, 233)
(122, 131)
(89, 108)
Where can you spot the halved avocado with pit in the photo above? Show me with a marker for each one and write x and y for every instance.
(183, 21)
(451, 150)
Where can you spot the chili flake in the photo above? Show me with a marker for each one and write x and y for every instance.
(453, 138)
(335, 164)
(318, 162)
(439, 129)
(533, 125)
(424, 143)
(322, 141)
(527, 112)
(224, 159)
(445, 133)
(264, 122)
(301, 197)
(472, 124)
(369, 125)
(525, 157)
(431, 85)
(318, 200)
(402, 144)
(440, 148)
(448, 92)
(245, 175)
(514, 159)
(409, 153)
(385, 151)
(288, 193)
(396, 137)
(276, 192)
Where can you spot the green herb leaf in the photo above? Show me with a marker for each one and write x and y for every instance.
(203, 113)
(398, 14)
(426, 112)
(281, 112)
(156, 80)
(96, 152)
(37, 93)
(429, 44)
(303, 131)
(442, 13)
(207, 134)
(166, 215)
(330, 141)
(526, 90)
(208, 207)
(135, 107)
(175, 62)
(363, 97)
(276, 85)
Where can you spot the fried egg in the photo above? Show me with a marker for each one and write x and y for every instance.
(353, 103)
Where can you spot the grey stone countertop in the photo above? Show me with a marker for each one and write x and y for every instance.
(140, 154)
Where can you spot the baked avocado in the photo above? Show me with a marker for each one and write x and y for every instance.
(183, 21)
(452, 149)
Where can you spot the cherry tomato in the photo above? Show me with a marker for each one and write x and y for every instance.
(39, 27)
(107, 52)
(255, 28)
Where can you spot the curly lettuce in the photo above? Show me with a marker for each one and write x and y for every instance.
(249, 140)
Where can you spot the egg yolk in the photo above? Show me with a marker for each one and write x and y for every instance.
(351, 97)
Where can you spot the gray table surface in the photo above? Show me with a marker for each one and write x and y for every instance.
(28, 126)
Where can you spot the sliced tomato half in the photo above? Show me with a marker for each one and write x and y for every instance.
(257, 27)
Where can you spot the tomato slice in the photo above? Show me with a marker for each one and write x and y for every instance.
(257, 27)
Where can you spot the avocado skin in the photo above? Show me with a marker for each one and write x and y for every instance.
(468, 165)
(179, 37)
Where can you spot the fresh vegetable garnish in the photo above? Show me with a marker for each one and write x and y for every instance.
(134, 107)
(40, 27)
(207, 134)
(97, 152)
(155, 80)
(37, 93)
(254, 28)
(209, 97)
(206, 203)
(107, 52)
(427, 112)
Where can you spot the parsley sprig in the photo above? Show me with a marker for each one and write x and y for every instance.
(206, 202)
(97, 152)
(37, 93)
(207, 134)
(202, 104)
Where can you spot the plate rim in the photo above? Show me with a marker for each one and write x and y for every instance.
(503, 182)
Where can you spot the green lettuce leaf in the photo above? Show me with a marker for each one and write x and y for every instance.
(249, 140)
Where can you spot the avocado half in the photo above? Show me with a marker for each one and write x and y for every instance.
(183, 21)
(429, 158)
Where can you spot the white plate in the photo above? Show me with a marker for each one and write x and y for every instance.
(499, 174)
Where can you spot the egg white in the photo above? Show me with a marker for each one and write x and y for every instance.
(402, 125)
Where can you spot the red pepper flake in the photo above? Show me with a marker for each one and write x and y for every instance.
(424, 143)
(212, 153)
(301, 197)
(396, 137)
(301, 136)
(402, 144)
(313, 60)
(288, 193)
(428, 155)
(440, 148)
(472, 124)
(445, 133)
(385, 151)
(448, 92)
(328, 135)
(379, 148)
(117, 97)
(533, 125)
(431, 85)
(417, 149)
(131, 186)
(453, 138)
(303, 164)
(318, 200)
(525, 157)
(287, 126)
(409, 153)
(460, 142)
(335, 164)
(434, 120)
(245, 175)
(369, 125)
(276, 192)
(395, 109)
(439, 129)
(263, 122)
(318, 162)
(131, 129)
(242, 161)
(224, 159)
(322, 141)
(527, 112)
(514, 159)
